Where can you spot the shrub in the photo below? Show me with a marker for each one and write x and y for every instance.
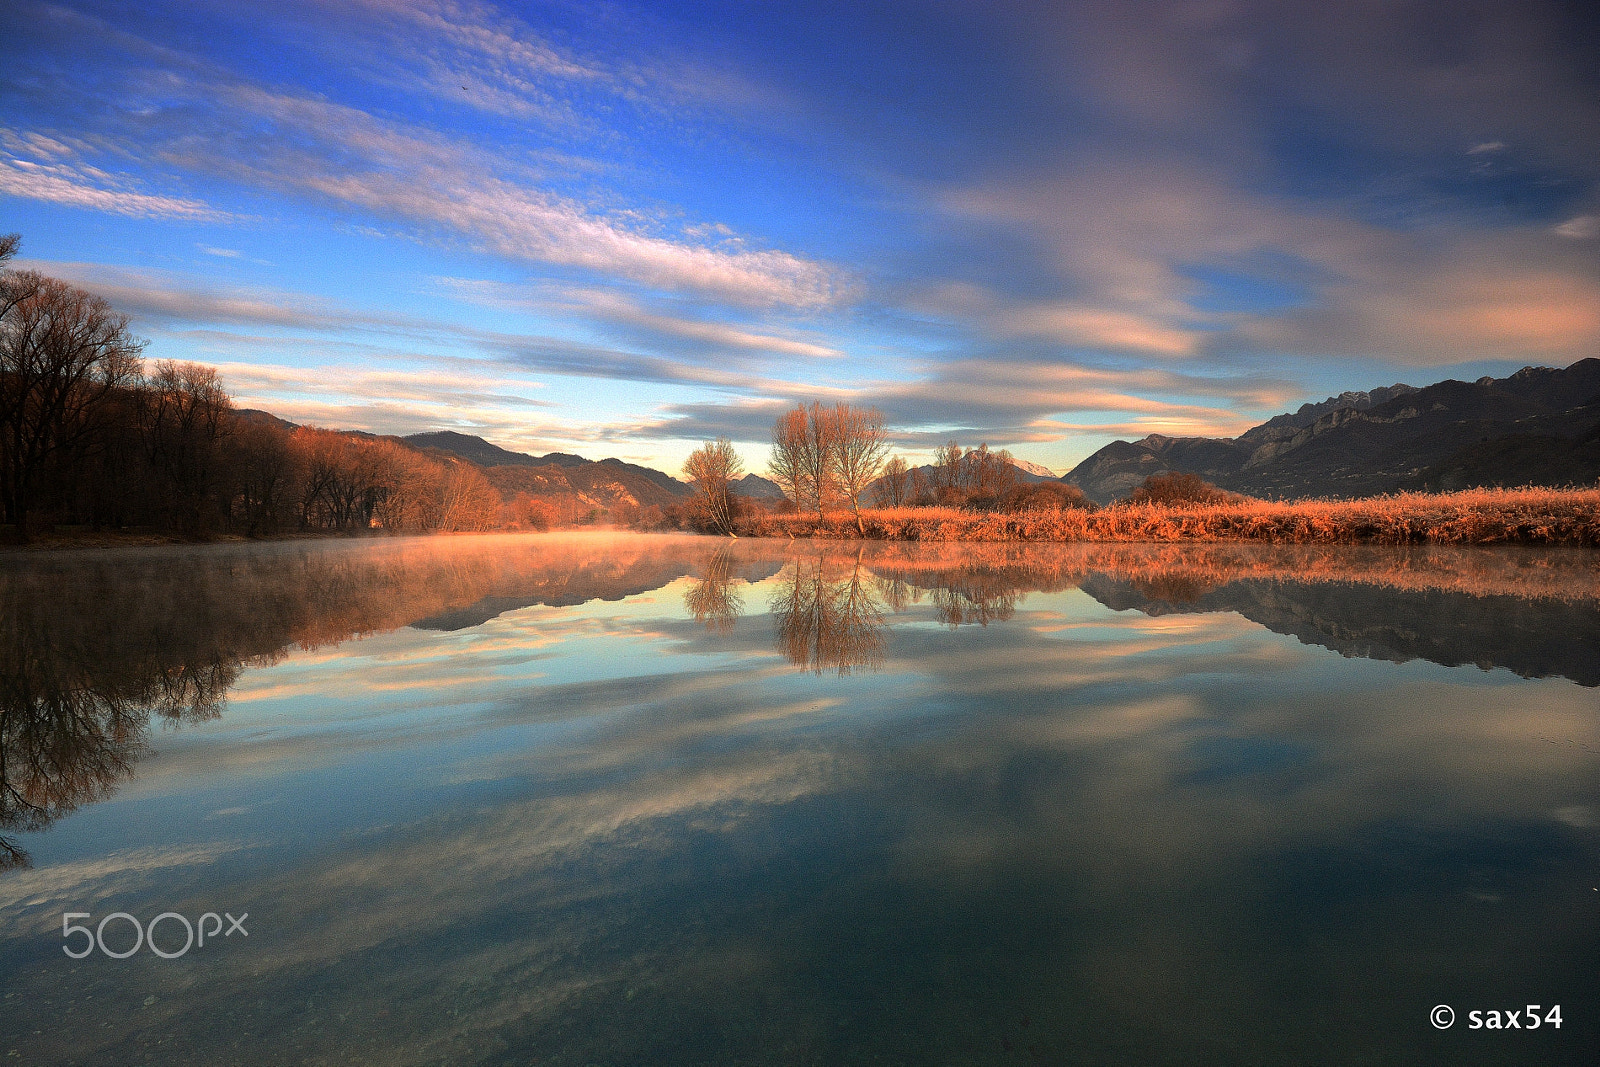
(1177, 487)
(1046, 496)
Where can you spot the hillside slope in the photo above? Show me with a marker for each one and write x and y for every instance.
(1539, 426)
(566, 481)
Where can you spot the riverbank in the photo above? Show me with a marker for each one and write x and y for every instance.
(1532, 516)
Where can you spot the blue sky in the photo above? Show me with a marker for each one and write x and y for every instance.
(619, 230)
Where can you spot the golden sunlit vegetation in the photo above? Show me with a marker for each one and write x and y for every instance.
(979, 495)
(1474, 516)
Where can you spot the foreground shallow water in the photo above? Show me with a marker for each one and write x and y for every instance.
(653, 799)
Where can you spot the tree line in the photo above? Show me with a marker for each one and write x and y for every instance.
(92, 436)
(836, 455)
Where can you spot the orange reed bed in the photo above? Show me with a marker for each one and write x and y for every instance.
(1474, 516)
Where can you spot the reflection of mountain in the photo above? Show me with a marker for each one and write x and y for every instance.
(95, 645)
(1532, 612)
(1535, 638)
(588, 581)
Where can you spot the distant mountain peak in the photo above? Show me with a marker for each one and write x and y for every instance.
(1036, 469)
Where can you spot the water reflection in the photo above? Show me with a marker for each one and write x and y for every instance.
(79, 685)
(97, 645)
(77, 693)
(712, 598)
(826, 615)
(987, 820)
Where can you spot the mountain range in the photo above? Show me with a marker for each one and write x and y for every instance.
(1539, 426)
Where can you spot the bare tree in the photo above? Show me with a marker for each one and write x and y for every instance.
(988, 477)
(804, 455)
(63, 352)
(264, 472)
(859, 445)
(469, 501)
(788, 465)
(13, 287)
(948, 475)
(894, 486)
(184, 414)
(711, 471)
(821, 452)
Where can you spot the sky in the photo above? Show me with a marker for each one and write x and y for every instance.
(621, 230)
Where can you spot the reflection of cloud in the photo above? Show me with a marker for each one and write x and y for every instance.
(685, 820)
(124, 871)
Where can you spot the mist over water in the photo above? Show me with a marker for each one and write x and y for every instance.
(614, 798)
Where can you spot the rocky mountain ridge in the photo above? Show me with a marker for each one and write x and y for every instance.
(1539, 426)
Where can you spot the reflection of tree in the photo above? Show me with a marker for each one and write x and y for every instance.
(712, 600)
(827, 615)
(979, 596)
(95, 646)
(75, 715)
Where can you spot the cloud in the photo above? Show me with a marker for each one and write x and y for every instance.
(1580, 228)
(473, 55)
(1479, 303)
(1083, 326)
(160, 298)
(173, 109)
(346, 156)
(1126, 236)
(167, 302)
(625, 313)
(78, 185)
(1488, 146)
(1003, 403)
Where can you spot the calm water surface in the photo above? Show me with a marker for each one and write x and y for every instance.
(649, 799)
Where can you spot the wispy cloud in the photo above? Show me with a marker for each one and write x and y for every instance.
(475, 55)
(995, 401)
(344, 155)
(1580, 228)
(84, 186)
(618, 310)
